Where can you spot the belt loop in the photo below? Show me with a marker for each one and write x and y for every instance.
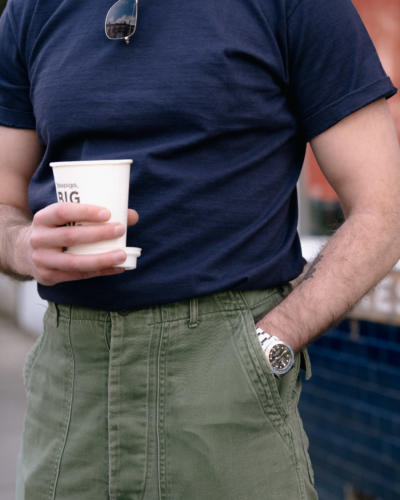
(306, 363)
(57, 314)
(193, 313)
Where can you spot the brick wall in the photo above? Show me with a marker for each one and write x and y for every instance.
(351, 411)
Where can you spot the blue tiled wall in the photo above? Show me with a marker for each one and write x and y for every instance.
(351, 410)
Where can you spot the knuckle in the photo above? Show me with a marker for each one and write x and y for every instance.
(34, 240)
(69, 237)
(42, 215)
(61, 210)
(37, 218)
(36, 258)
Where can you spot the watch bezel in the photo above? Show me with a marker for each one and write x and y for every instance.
(290, 364)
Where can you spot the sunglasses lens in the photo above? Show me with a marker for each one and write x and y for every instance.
(121, 19)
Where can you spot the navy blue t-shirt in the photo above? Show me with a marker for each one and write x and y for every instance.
(214, 100)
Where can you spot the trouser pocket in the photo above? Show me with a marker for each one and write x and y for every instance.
(30, 360)
(48, 378)
(223, 435)
(283, 391)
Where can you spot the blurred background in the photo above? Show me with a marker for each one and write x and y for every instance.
(350, 407)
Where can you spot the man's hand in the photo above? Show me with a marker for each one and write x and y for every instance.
(360, 157)
(40, 245)
(34, 248)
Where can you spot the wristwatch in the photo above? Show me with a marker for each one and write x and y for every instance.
(279, 355)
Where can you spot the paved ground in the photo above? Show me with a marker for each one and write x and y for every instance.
(13, 346)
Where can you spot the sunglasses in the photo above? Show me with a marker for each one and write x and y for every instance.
(121, 20)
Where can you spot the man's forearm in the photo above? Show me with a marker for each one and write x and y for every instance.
(361, 253)
(12, 220)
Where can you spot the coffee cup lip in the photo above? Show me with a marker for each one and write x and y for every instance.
(135, 251)
(132, 254)
(88, 163)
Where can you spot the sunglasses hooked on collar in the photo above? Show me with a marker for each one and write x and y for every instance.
(121, 20)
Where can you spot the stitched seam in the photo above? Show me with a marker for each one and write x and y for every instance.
(32, 358)
(169, 460)
(67, 420)
(304, 447)
(292, 412)
(106, 451)
(147, 447)
(113, 429)
(300, 480)
(109, 454)
(312, 113)
(33, 355)
(107, 341)
(157, 422)
(163, 381)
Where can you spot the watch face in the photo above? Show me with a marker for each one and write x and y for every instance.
(280, 357)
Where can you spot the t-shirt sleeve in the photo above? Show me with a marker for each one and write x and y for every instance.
(15, 104)
(334, 67)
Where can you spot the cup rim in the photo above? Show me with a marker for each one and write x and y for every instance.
(87, 163)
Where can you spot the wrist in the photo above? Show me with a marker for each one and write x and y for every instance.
(283, 334)
(19, 262)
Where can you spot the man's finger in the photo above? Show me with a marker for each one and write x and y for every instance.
(62, 261)
(67, 236)
(59, 214)
(54, 277)
(133, 217)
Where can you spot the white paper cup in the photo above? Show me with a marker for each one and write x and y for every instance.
(104, 183)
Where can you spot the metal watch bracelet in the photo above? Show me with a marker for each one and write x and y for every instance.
(279, 355)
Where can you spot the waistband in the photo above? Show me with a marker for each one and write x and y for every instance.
(190, 309)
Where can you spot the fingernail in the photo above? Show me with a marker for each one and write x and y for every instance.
(104, 214)
(119, 230)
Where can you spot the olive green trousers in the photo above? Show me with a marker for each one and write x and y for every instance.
(170, 402)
